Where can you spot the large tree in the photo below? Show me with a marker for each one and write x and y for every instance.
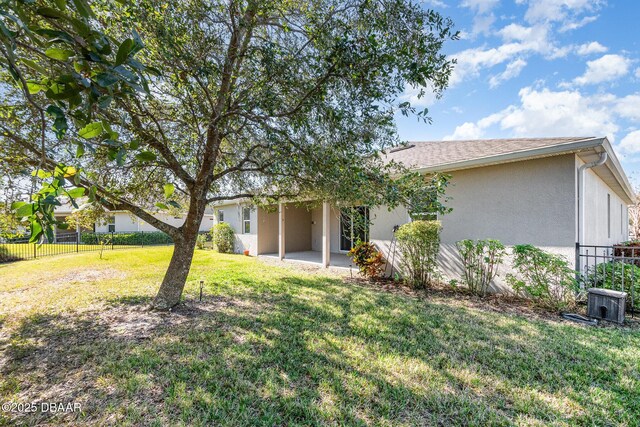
(145, 103)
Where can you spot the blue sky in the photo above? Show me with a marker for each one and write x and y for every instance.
(539, 68)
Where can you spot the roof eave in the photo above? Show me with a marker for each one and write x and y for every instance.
(570, 147)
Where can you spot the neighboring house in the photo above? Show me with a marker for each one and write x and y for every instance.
(126, 222)
(549, 192)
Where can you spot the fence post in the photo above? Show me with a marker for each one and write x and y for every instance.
(578, 266)
(35, 250)
(112, 242)
(142, 238)
(77, 241)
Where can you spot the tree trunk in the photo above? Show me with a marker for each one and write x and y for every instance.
(176, 276)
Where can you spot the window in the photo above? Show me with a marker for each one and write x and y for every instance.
(111, 224)
(354, 226)
(609, 215)
(220, 216)
(246, 220)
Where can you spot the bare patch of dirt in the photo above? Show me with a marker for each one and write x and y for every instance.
(89, 275)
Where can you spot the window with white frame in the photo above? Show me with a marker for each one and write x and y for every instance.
(111, 224)
(220, 215)
(246, 220)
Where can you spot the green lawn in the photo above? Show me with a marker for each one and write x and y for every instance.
(273, 346)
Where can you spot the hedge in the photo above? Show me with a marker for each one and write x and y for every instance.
(137, 238)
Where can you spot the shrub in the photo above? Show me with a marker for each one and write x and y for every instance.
(136, 238)
(200, 241)
(5, 256)
(368, 259)
(223, 237)
(480, 259)
(544, 277)
(419, 243)
(618, 276)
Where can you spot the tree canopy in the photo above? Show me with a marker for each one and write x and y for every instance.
(181, 104)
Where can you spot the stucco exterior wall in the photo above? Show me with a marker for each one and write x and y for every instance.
(604, 223)
(267, 231)
(233, 217)
(517, 203)
(522, 202)
(127, 223)
(297, 236)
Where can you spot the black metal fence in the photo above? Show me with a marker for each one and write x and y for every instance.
(611, 267)
(20, 248)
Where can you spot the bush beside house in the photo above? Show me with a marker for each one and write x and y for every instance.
(419, 244)
(480, 259)
(544, 277)
(223, 237)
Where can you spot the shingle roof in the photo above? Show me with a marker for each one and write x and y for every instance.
(434, 154)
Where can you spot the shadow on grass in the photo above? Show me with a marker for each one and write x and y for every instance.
(313, 351)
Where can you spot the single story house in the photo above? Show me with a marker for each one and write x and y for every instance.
(549, 192)
(126, 222)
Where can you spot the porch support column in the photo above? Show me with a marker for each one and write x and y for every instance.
(326, 234)
(281, 209)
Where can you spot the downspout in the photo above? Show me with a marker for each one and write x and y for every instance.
(581, 198)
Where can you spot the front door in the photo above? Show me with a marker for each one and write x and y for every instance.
(354, 226)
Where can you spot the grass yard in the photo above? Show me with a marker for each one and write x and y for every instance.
(274, 346)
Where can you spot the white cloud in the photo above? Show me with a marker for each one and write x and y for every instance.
(630, 144)
(558, 10)
(606, 68)
(513, 70)
(629, 106)
(548, 113)
(574, 25)
(519, 41)
(480, 6)
(418, 97)
(437, 3)
(466, 130)
(483, 19)
(589, 48)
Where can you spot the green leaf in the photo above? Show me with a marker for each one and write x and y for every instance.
(34, 87)
(59, 54)
(146, 156)
(168, 190)
(16, 205)
(25, 210)
(162, 206)
(174, 204)
(83, 8)
(123, 51)
(36, 231)
(33, 65)
(106, 79)
(80, 150)
(50, 12)
(75, 193)
(91, 130)
(41, 174)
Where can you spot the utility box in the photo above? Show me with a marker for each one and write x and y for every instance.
(606, 304)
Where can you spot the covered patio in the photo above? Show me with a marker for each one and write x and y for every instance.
(302, 232)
